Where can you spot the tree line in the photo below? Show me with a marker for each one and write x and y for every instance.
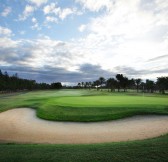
(121, 82)
(15, 83)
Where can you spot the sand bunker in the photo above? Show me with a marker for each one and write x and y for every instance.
(21, 125)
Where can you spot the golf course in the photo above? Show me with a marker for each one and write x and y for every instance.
(60, 125)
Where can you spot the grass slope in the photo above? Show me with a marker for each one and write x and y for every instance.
(85, 105)
(151, 150)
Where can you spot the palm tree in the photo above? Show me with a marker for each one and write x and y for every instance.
(120, 79)
(138, 82)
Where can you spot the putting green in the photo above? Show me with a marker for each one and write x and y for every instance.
(110, 101)
(99, 108)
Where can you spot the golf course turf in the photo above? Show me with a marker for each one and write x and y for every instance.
(150, 150)
(86, 106)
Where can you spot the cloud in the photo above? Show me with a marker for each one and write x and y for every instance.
(65, 12)
(82, 28)
(38, 2)
(62, 13)
(51, 19)
(27, 12)
(159, 58)
(34, 20)
(6, 11)
(95, 5)
(51, 8)
(5, 31)
(127, 37)
(54, 74)
(142, 73)
(35, 24)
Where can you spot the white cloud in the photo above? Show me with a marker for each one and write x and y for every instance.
(34, 20)
(82, 28)
(51, 8)
(51, 19)
(62, 13)
(6, 42)
(5, 31)
(124, 34)
(6, 11)
(95, 5)
(38, 2)
(65, 12)
(35, 24)
(27, 12)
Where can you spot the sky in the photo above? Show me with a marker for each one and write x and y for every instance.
(80, 40)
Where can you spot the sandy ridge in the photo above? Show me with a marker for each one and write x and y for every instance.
(22, 126)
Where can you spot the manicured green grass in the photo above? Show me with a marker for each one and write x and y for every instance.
(151, 150)
(85, 105)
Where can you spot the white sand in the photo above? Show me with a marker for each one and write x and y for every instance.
(22, 126)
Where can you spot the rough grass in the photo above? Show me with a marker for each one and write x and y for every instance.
(85, 105)
(151, 150)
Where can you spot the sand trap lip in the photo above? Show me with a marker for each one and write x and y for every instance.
(22, 126)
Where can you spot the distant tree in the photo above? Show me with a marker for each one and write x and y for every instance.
(111, 84)
(14, 83)
(125, 83)
(1, 73)
(96, 84)
(162, 83)
(119, 78)
(143, 86)
(131, 83)
(102, 81)
(79, 85)
(138, 82)
(82, 84)
(90, 85)
(150, 85)
(57, 85)
(86, 84)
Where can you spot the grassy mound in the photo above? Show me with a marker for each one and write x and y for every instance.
(86, 106)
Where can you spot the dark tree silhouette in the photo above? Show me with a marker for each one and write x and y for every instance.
(162, 83)
(138, 82)
(79, 85)
(102, 81)
(111, 84)
(96, 84)
(122, 82)
(149, 85)
(125, 83)
(57, 85)
(119, 78)
(14, 83)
